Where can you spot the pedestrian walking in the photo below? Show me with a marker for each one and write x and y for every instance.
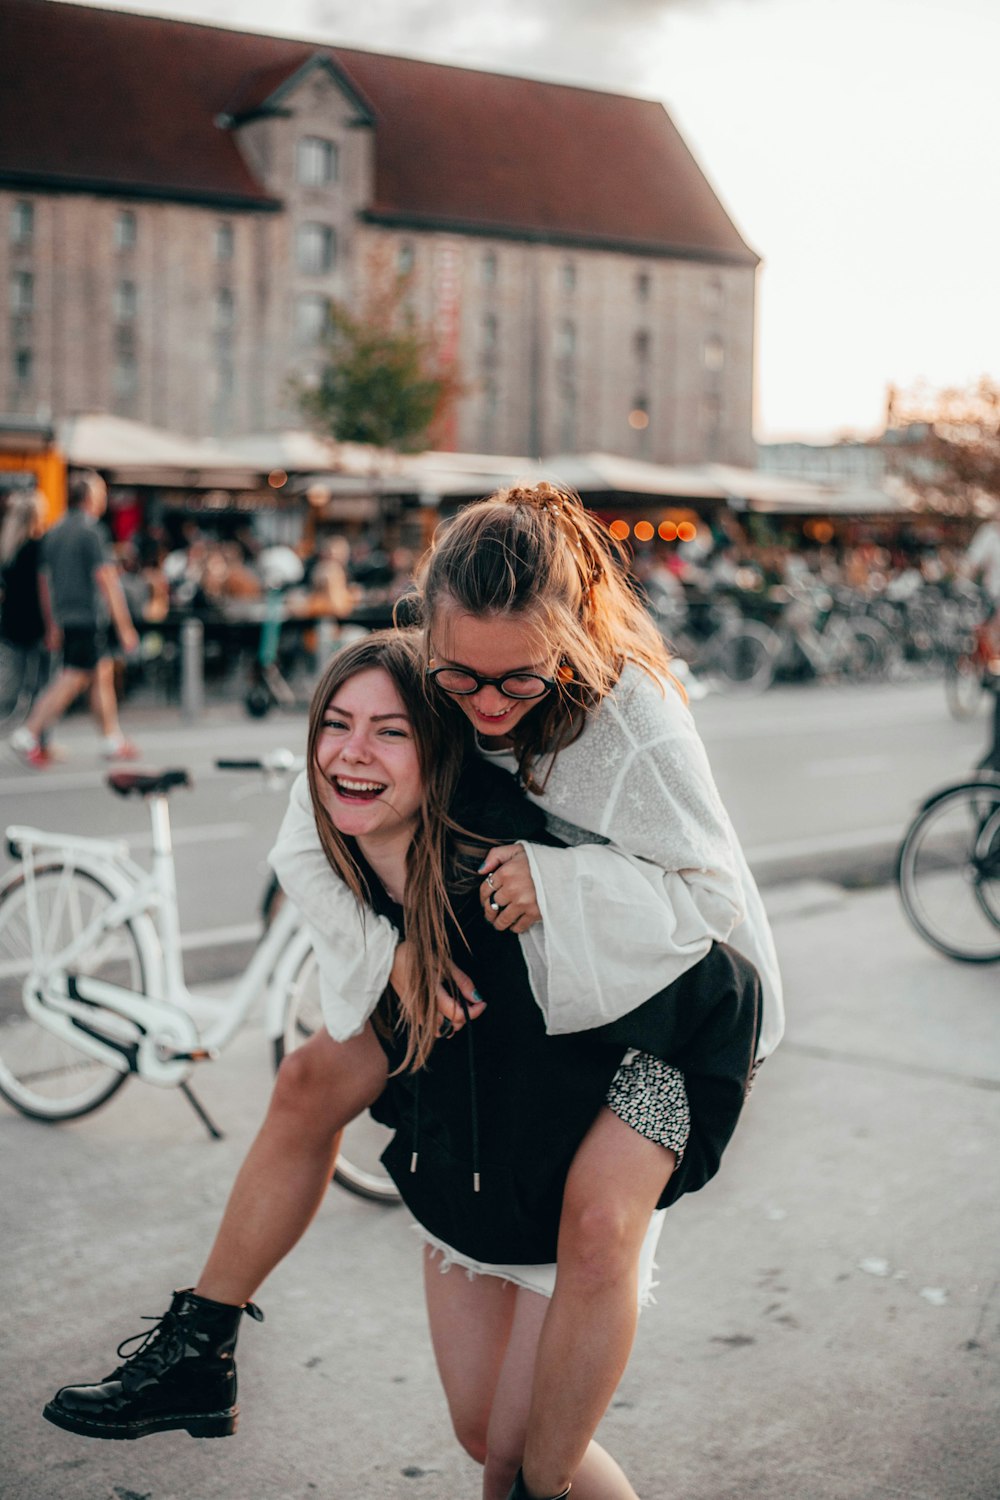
(24, 659)
(80, 595)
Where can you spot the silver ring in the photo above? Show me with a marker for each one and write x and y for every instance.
(494, 905)
(489, 881)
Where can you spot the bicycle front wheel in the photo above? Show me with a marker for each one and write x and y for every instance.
(42, 1074)
(358, 1168)
(948, 872)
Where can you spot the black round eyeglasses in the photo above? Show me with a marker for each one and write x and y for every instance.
(462, 684)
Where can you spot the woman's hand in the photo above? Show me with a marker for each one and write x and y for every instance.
(449, 1009)
(508, 892)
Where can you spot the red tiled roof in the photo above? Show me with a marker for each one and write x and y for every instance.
(111, 101)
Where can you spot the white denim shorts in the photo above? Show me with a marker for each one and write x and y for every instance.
(542, 1279)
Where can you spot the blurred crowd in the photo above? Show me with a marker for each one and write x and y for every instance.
(211, 577)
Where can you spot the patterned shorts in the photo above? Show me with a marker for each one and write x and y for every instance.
(649, 1095)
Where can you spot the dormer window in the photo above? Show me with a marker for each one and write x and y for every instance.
(317, 161)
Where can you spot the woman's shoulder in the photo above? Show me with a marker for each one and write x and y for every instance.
(643, 707)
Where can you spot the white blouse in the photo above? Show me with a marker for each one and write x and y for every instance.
(654, 874)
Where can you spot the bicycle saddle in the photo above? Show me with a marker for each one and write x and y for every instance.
(146, 783)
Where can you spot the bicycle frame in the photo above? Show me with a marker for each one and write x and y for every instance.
(175, 1026)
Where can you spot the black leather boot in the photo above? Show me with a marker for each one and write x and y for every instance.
(521, 1492)
(183, 1374)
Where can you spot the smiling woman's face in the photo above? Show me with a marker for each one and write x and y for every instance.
(366, 754)
(495, 646)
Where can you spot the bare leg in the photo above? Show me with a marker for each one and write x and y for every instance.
(103, 700)
(56, 699)
(613, 1186)
(598, 1477)
(320, 1088)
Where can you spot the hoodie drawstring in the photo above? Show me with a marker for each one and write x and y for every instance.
(473, 1102)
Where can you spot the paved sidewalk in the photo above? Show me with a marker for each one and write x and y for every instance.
(827, 1326)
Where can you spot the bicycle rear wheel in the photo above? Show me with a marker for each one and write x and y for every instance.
(42, 1074)
(948, 872)
(358, 1168)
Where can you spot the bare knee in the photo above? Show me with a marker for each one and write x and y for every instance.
(471, 1432)
(325, 1084)
(597, 1243)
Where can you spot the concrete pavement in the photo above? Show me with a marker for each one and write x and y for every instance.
(828, 1324)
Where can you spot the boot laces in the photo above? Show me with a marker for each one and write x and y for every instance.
(153, 1338)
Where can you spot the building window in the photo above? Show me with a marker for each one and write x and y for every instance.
(568, 276)
(316, 249)
(223, 382)
(125, 376)
(488, 269)
(567, 418)
(714, 353)
(642, 345)
(22, 293)
(404, 259)
(566, 340)
(642, 286)
(713, 295)
(491, 406)
(23, 366)
(22, 222)
(125, 230)
(126, 302)
(316, 162)
(224, 308)
(311, 314)
(490, 333)
(223, 241)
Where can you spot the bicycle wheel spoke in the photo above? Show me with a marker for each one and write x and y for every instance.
(42, 1072)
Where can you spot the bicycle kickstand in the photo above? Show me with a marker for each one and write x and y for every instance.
(202, 1113)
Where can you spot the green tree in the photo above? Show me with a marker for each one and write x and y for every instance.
(383, 382)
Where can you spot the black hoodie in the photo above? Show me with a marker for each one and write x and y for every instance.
(486, 1131)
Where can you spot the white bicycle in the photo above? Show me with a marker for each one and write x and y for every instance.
(92, 988)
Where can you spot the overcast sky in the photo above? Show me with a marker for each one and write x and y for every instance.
(854, 143)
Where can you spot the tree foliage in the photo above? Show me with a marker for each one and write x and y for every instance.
(383, 382)
(946, 444)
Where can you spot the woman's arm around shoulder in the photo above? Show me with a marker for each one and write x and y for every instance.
(354, 946)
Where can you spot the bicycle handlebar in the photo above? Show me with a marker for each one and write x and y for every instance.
(275, 763)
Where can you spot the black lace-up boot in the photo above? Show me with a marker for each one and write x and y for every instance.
(521, 1492)
(183, 1374)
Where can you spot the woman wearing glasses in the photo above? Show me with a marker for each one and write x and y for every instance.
(533, 630)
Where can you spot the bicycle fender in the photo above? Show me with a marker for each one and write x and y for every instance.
(985, 779)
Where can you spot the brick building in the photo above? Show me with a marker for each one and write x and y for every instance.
(178, 202)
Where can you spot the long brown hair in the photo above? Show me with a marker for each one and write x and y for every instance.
(539, 553)
(441, 736)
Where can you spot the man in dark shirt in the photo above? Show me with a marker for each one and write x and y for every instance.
(80, 594)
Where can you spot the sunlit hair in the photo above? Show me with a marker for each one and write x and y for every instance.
(23, 518)
(538, 553)
(440, 734)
